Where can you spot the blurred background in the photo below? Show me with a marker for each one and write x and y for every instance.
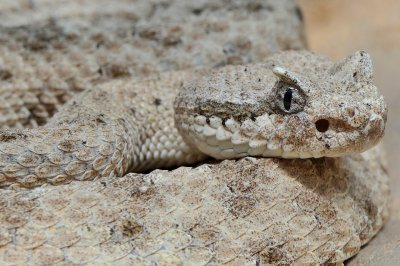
(339, 27)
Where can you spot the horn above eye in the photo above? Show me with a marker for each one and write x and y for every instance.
(357, 67)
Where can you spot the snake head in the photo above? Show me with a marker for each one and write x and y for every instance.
(295, 105)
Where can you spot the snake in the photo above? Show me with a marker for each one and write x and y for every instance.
(252, 110)
(61, 199)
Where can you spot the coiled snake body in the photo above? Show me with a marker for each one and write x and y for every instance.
(251, 211)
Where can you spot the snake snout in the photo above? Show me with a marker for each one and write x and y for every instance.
(375, 126)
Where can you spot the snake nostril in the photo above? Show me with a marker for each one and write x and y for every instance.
(322, 125)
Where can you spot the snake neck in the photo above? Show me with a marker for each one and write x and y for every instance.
(107, 131)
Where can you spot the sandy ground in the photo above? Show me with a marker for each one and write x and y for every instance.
(338, 28)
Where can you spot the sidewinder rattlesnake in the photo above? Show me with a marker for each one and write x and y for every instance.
(76, 116)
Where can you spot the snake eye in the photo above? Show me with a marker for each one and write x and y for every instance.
(287, 99)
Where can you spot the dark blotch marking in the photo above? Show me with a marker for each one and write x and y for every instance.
(270, 8)
(100, 119)
(42, 38)
(253, 6)
(273, 254)
(67, 145)
(322, 125)
(197, 11)
(228, 48)
(5, 74)
(240, 206)
(299, 13)
(99, 44)
(354, 74)
(133, 110)
(114, 71)
(118, 71)
(131, 228)
(7, 136)
(327, 146)
(171, 40)
(157, 101)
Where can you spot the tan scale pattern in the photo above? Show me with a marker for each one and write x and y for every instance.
(49, 53)
(119, 126)
(250, 212)
(268, 211)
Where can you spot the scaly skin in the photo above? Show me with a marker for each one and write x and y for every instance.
(44, 63)
(118, 127)
(247, 212)
(239, 111)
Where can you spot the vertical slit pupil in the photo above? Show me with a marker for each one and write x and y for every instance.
(287, 99)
